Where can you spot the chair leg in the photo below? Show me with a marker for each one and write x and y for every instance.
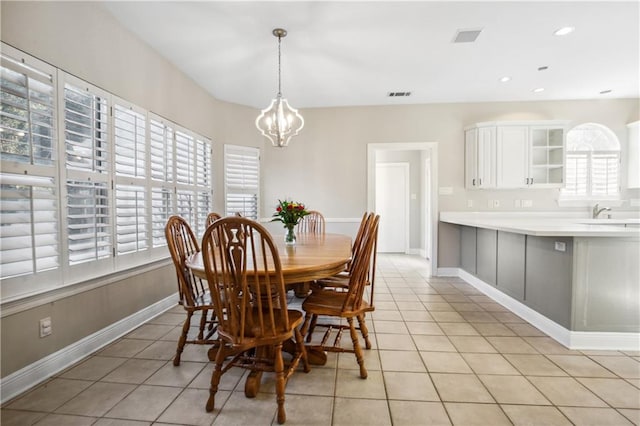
(215, 377)
(302, 350)
(203, 324)
(312, 326)
(305, 324)
(364, 330)
(280, 382)
(357, 349)
(183, 338)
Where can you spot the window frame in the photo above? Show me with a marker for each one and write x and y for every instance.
(569, 199)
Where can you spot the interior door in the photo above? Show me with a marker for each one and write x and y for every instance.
(392, 204)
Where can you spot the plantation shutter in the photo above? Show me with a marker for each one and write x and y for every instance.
(161, 149)
(27, 116)
(161, 209)
(88, 171)
(241, 179)
(29, 220)
(86, 122)
(185, 205)
(129, 134)
(604, 173)
(131, 219)
(185, 159)
(88, 227)
(576, 170)
(29, 231)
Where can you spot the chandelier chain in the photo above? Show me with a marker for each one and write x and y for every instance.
(279, 68)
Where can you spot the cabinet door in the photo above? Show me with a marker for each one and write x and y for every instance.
(511, 264)
(468, 249)
(471, 158)
(486, 255)
(486, 152)
(513, 157)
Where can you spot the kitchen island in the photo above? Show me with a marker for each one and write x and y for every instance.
(576, 279)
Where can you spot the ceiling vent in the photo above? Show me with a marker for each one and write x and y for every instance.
(466, 36)
(398, 94)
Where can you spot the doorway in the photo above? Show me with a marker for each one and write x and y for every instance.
(424, 221)
(392, 204)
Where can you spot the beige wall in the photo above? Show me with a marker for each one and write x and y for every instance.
(325, 166)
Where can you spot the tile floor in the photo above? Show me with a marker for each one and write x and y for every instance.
(442, 354)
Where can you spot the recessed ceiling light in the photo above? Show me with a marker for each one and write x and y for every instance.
(538, 90)
(604, 92)
(564, 31)
(505, 79)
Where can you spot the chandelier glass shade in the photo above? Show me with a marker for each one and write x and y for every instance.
(279, 122)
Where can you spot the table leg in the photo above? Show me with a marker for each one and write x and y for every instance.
(316, 356)
(252, 384)
(301, 290)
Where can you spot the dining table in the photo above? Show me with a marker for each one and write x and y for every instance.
(312, 257)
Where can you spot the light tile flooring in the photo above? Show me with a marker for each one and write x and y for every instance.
(442, 354)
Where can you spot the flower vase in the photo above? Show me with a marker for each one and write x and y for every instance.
(290, 236)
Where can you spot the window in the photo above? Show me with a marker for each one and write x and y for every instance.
(87, 180)
(241, 180)
(592, 163)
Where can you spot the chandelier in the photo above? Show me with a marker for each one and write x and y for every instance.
(279, 122)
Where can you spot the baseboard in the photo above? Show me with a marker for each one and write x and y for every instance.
(448, 272)
(418, 252)
(37, 372)
(579, 340)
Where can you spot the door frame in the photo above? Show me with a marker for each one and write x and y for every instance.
(407, 196)
(432, 148)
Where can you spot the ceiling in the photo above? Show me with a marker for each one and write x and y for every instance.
(348, 53)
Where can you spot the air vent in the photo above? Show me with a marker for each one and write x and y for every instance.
(398, 94)
(466, 36)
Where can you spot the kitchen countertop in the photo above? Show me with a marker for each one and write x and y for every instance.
(545, 224)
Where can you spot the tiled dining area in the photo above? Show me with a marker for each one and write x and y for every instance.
(443, 353)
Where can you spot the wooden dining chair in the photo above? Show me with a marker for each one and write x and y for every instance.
(250, 303)
(313, 223)
(194, 294)
(349, 304)
(212, 217)
(340, 281)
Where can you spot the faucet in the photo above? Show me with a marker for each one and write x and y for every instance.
(597, 210)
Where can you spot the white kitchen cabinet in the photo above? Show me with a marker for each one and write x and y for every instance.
(530, 155)
(633, 166)
(480, 155)
(510, 154)
(546, 156)
(512, 165)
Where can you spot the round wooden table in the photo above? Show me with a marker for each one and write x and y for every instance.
(312, 257)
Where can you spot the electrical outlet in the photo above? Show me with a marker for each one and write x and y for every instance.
(496, 204)
(527, 203)
(516, 203)
(560, 246)
(469, 203)
(45, 327)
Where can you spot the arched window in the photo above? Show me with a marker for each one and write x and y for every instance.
(592, 163)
